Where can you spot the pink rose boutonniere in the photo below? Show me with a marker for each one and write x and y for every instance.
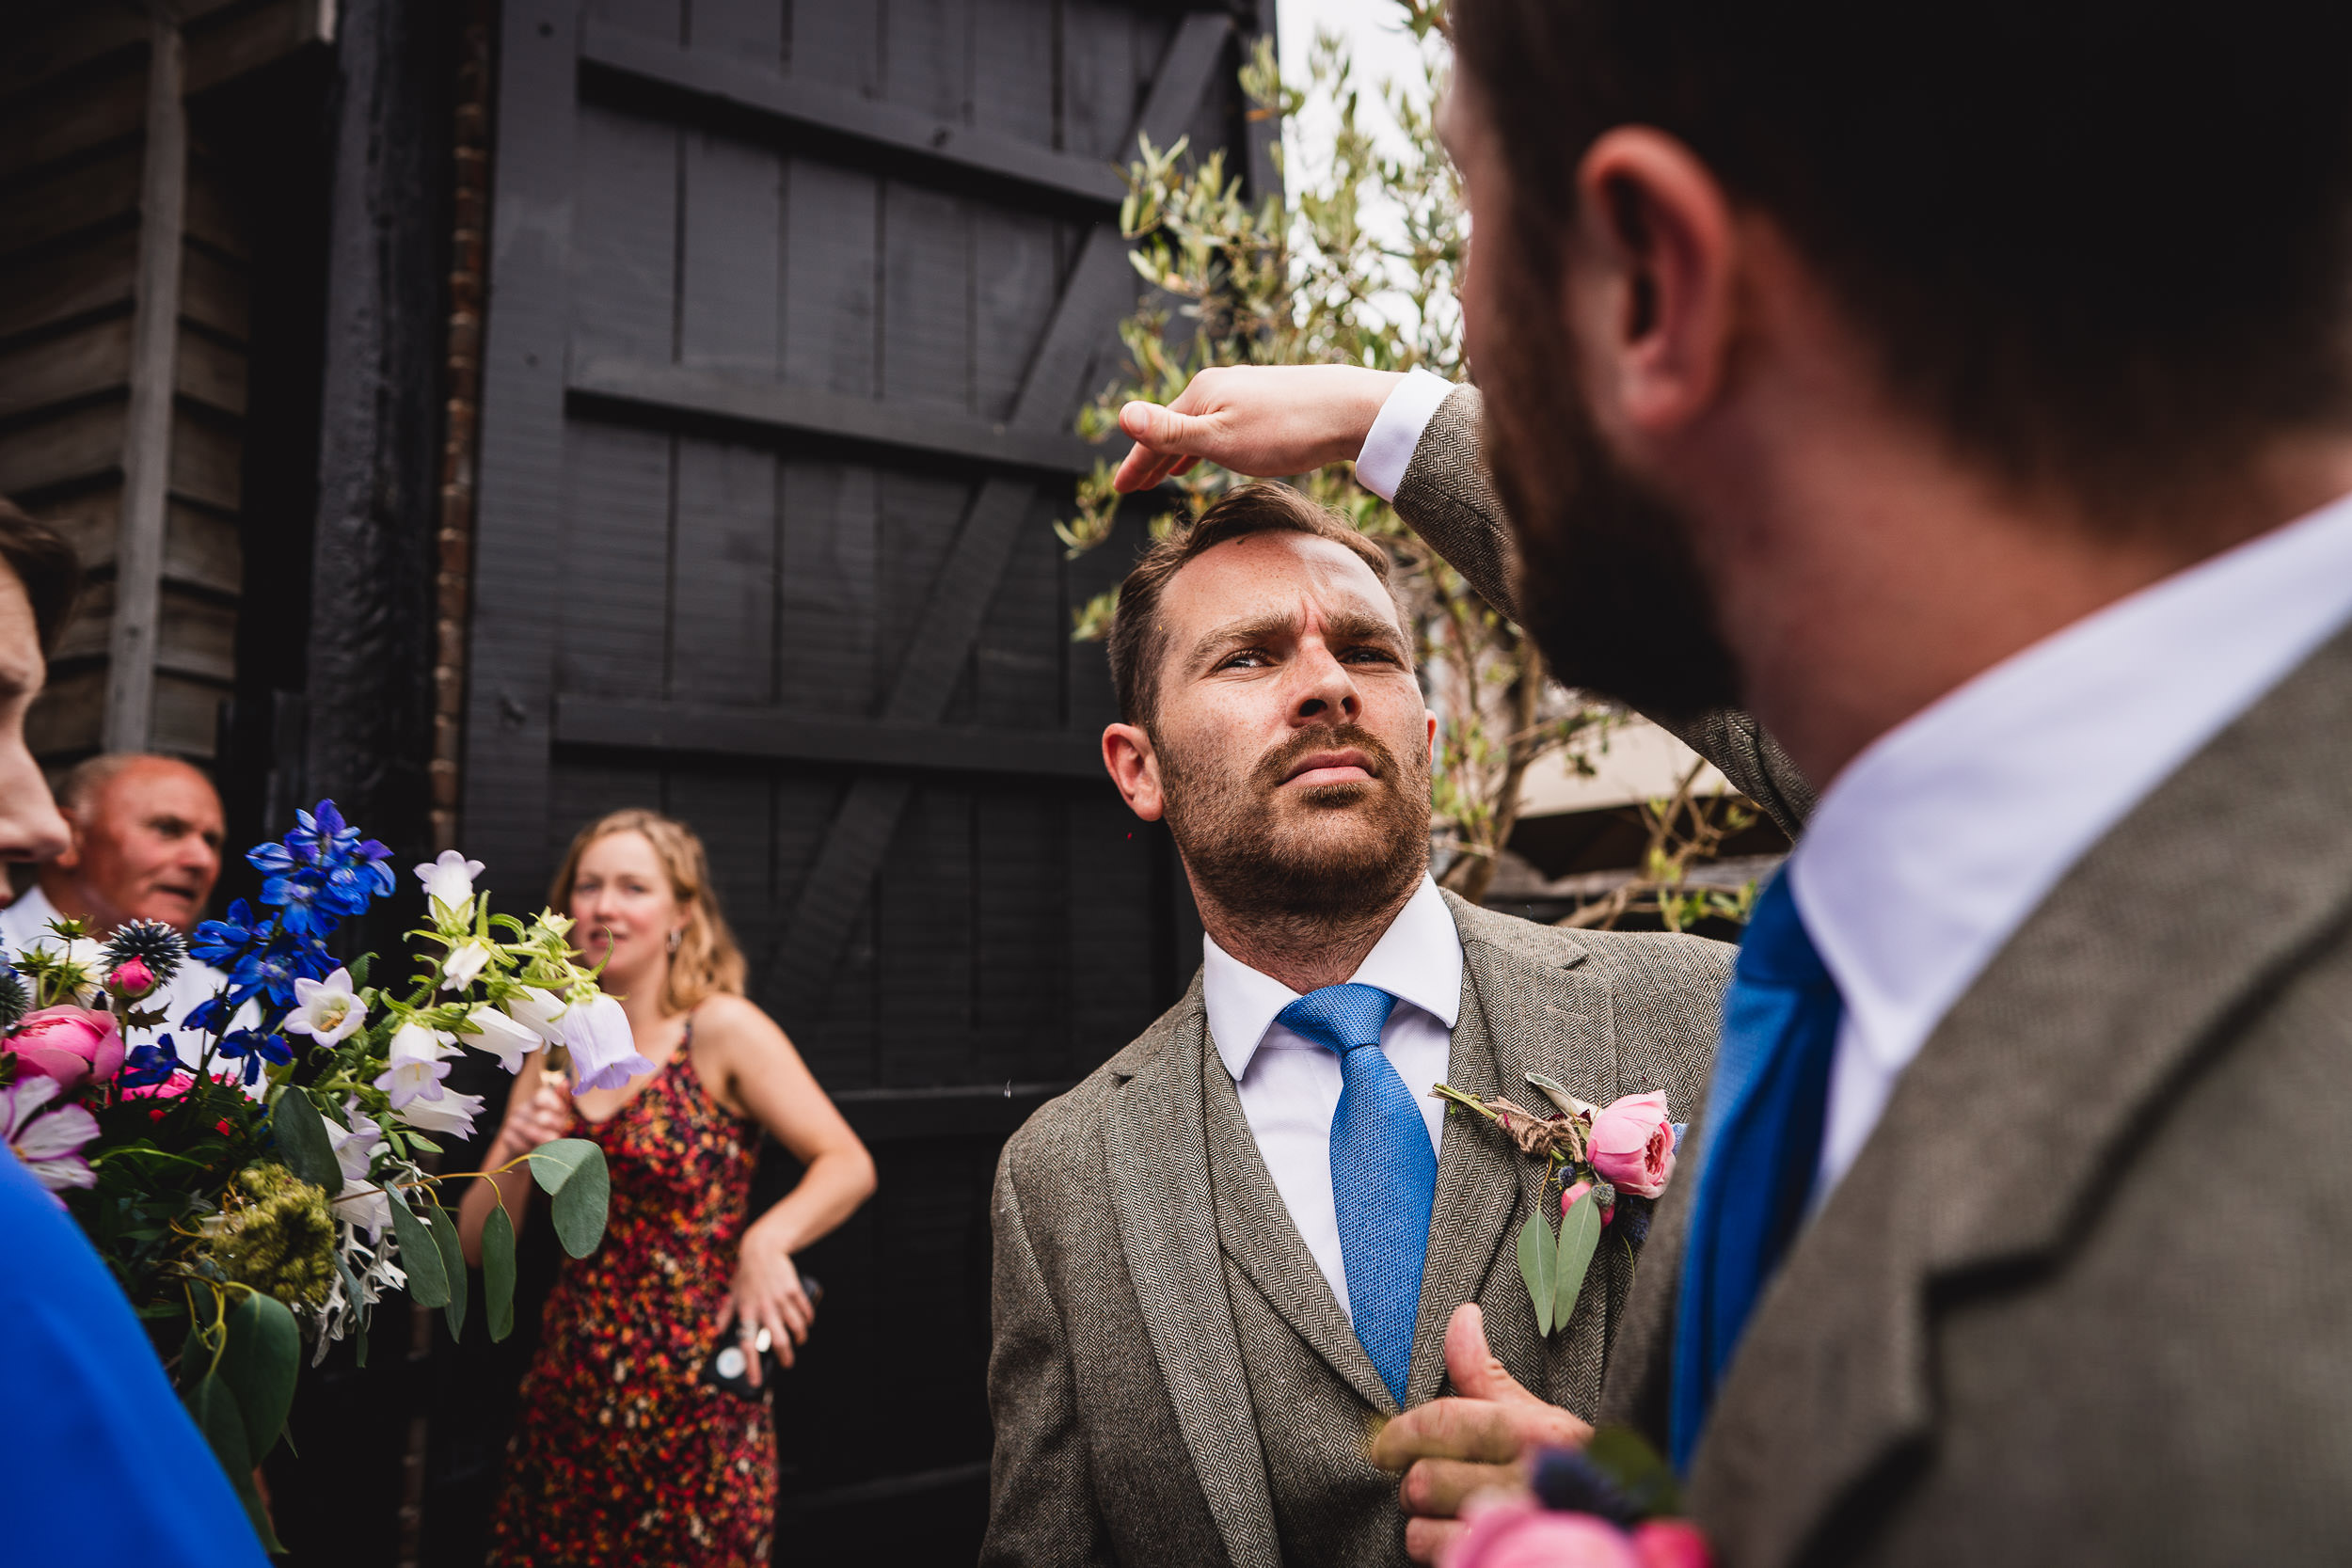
(1609, 1161)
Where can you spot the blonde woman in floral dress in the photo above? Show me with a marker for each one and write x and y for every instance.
(620, 1455)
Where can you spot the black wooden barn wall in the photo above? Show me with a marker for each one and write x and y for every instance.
(792, 305)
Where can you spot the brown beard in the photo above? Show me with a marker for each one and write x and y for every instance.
(1606, 582)
(1298, 859)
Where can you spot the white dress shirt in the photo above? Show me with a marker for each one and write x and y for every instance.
(1290, 1085)
(25, 923)
(1934, 845)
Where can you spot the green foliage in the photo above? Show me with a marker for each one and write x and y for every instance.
(302, 1141)
(263, 1353)
(573, 1172)
(1579, 1233)
(1310, 283)
(420, 1254)
(1539, 1267)
(452, 1266)
(498, 1272)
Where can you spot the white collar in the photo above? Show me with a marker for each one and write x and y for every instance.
(29, 915)
(1936, 844)
(1417, 960)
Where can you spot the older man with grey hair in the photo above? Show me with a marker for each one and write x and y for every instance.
(146, 835)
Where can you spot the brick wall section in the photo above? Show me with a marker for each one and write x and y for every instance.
(468, 257)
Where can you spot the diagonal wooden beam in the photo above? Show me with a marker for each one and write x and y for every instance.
(1102, 287)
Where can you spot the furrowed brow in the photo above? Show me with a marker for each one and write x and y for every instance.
(1236, 634)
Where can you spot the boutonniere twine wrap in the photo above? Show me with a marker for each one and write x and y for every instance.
(1607, 1162)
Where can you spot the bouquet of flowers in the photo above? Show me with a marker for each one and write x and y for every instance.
(1610, 1163)
(266, 1187)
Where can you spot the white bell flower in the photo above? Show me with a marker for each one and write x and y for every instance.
(449, 878)
(452, 1113)
(539, 1011)
(325, 1009)
(488, 1030)
(465, 962)
(416, 1067)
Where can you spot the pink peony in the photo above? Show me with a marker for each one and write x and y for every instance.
(1632, 1145)
(70, 1044)
(1670, 1544)
(132, 979)
(1521, 1534)
(1569, 1196)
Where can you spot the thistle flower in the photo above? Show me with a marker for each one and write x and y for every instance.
(276, 1236)
(15, 1001)
(151, 943)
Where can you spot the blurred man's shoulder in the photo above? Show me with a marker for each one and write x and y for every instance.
(1666, 956)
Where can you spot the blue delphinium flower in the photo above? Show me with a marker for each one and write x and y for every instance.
(321, 872)
(218, 941)
(255, 1047)
(149, 1064)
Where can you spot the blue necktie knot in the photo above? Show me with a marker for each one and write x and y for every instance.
(1340, 1018)
(1384, 1172)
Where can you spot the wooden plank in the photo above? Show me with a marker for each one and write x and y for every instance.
(1012, 70)
(64, 722)
(210, 373)
(56, 452)
(1101, 287)
(707, 729)
(808, 104)
(926, 298)
(624, 253)
(521, 493)
(732, 222)
(198, 637)
(722, 575)
(216, 294)
(203, 549)
(674, 391)
(207, 458)
(243, 41)
(74, 116)
(926, 67)
(924, 948)
(830, 547)
(186, 716)
(831, 277)
(67, 368)
(104, 192)
(71, 38)
(148, 455)
(60, 285)
(613, 572)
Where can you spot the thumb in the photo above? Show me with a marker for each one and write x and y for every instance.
(1471, 1367)
(1166, 431)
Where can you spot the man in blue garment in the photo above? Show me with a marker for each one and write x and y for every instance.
(1967, 387)
(105, 1464)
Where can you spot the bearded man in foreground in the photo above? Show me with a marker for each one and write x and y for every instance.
(1223, 1259)
(1879, 344)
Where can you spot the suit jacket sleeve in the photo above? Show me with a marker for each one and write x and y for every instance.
(1448, 499)
(1040, 1496)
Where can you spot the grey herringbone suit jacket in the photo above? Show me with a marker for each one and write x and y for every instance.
(1173, 1380)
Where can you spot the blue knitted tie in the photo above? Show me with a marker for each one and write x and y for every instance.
(1760, 1148)
(1384, 1172)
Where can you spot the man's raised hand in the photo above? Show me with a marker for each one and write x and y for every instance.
(1475, 1441)
(1264, 420)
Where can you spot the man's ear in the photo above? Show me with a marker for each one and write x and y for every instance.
(1656, 302)
(1431, 739)
(1134, 767)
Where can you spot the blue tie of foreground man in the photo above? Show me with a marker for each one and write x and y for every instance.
(1384, 1172)
(1759, 1147)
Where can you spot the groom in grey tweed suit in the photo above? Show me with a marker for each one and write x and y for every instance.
(1174, 1378)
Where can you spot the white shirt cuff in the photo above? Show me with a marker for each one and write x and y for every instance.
(1389, 450)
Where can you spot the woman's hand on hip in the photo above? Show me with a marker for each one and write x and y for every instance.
(767, 1293)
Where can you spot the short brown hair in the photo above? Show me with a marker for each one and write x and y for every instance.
(48, 567)
(1138, 642)
(706, 962)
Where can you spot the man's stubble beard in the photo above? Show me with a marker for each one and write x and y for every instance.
(1283, 862)
(1606, 581)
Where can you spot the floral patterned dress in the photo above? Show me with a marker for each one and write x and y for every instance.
(620, 1454)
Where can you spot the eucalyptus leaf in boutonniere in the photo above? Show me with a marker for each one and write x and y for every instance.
(1603, 1160)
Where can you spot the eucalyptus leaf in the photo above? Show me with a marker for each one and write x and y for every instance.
(213, 1408)
(498, 1272)
(359, 1326)
(1579, 1233)
(453, 1266)
(420, 1256)
(1538, 1264)
(263, 1352)
(582, 1190)
(302, 1140)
